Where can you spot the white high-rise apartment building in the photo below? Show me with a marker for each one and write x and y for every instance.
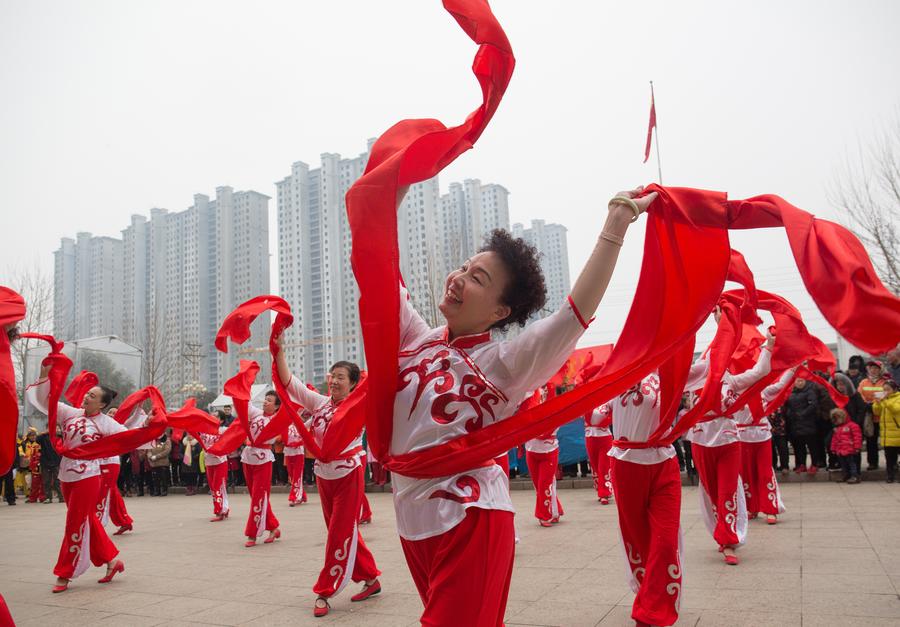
(551, 241)
(87, 289)
(184, 272)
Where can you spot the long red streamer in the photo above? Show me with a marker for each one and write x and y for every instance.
(12, 310)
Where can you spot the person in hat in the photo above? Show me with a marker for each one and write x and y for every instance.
(887, 409)
(856, 369)
(871, 389)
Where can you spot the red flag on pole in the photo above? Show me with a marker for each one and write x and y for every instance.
(652, 124)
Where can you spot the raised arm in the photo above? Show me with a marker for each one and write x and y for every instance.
(591, 284)
(761, 368)
(771, 391)
(38, 394)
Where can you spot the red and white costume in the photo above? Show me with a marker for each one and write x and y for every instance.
(457, 531)
(647, 485)
(598, 440)
(761, 490)
(85, 540)
(542, 458)
(294, 458)
(717, 456)
(111, 506)
(341, 485)
(257, 463)
(216, 473)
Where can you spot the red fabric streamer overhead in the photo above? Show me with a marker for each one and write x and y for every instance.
(12, 310)
(651, 125)
(79, 386)
(348, 420)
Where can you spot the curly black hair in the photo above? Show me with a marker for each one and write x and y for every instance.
(526, 292)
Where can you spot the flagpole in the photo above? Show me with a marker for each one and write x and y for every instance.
(658, 161)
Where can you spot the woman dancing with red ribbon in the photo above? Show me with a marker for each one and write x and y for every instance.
(341, 483)
(85, 540)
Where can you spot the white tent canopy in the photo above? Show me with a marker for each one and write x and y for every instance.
(257, 392)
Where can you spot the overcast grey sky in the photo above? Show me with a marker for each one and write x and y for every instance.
(111, 108)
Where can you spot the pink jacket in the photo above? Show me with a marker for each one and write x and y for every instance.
(846, 439)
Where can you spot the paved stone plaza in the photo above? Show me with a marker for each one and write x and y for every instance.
(833, 560)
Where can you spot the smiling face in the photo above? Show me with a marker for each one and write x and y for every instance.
(339, 383)
(270, 404)
(473, 294)
(93, 401)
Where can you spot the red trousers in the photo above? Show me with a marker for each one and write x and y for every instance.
(760, 486)
(542, 467)
(85, 540)
(294, 465)
(463, 575)
(259, 483)
(111, 506)
(346, 555)
(379, 474)
(217, 477)
(722, 502)
(648, 497)
(365, 510)
(597, 449)
(37, 490)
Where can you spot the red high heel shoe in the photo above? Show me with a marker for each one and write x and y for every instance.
(117, 567)
(319, 611)
(250, 543)
(367, 591)
(273, 537)
(60, 587)
(123, 529)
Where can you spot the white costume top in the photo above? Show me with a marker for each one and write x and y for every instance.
(322, 410)
(77, 429)
(257, 455)
(636, 416)
(722, 430)
(543, 445)
(448, 388)
(598, 416)
(761, 432)
(208, 439)
(294, 443)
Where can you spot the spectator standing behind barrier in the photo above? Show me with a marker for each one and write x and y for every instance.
(893, 365)
(802, 417)
(158, 457)
(856, 369)
(780, 458)
(846, 442)
(888, 410)
(49, 468)
(190, 464)
(871, 389)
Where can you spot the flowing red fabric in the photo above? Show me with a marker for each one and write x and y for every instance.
(686, 260)
(80, 385)
(108, 445)
(349, 418)
(12, 310)
(583, 364)
(191, 419)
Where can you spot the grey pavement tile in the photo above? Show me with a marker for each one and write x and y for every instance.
(184, 570)
(853, 603)
(232, 612)
(831, 620)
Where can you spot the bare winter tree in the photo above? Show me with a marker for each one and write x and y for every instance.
(36, 287)
(867, 191)
(157, 366)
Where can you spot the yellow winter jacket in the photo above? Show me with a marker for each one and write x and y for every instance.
(889, 411)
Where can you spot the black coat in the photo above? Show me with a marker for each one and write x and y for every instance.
(49, 456)
(801, 411)
(856, 409)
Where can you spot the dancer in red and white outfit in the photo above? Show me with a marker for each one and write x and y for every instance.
(761, 490)
(257, 462)
(111, 505)
(341, 485)
(717, 456)
(542, 458)
(457, 531)
(294, 459)
(598, 440)
(85, 540)
(647, 484)
(216, 475)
